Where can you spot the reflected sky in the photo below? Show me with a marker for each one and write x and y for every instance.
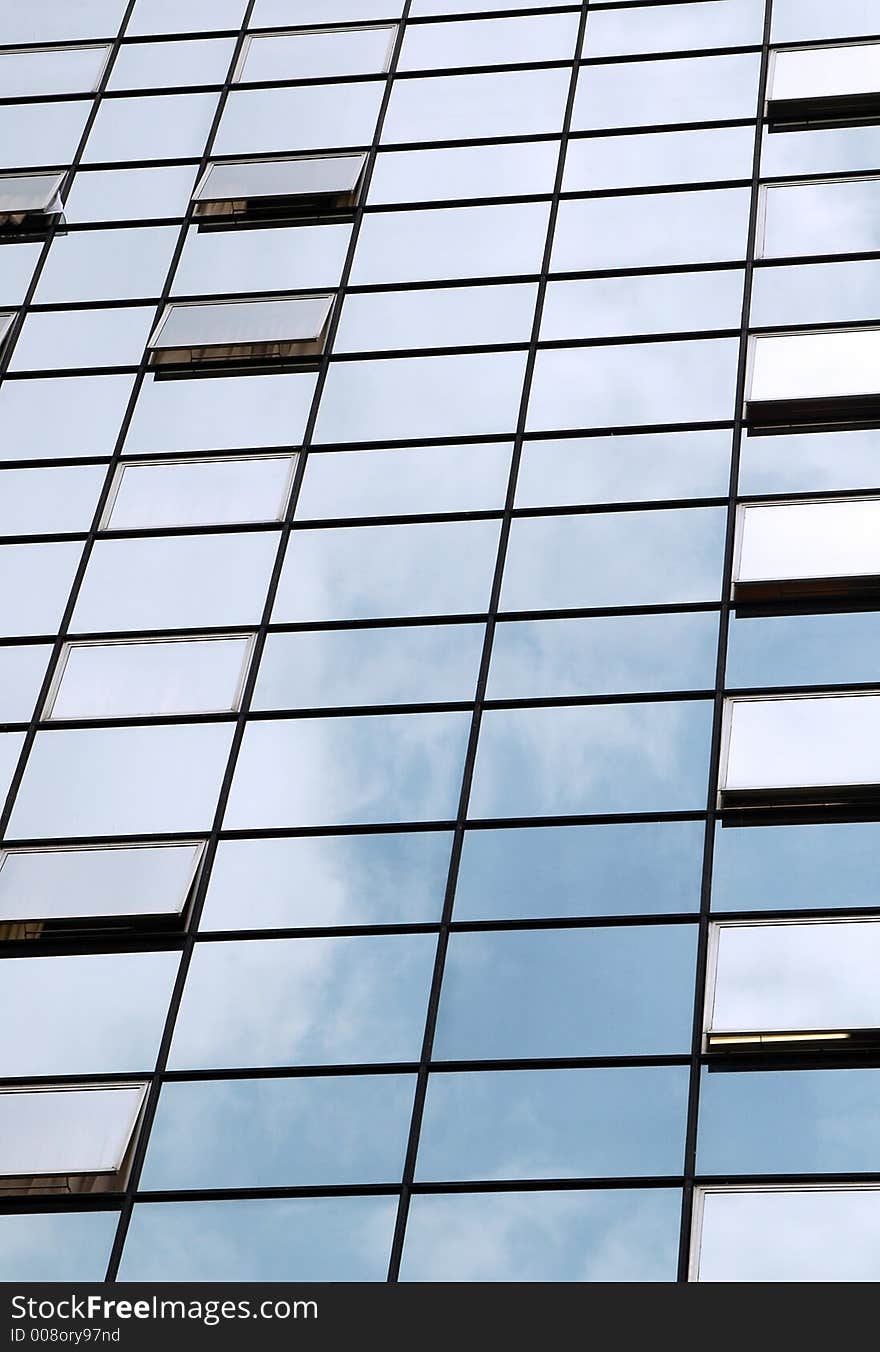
(303, 1239)
(603, 1236)
(603, 758)
(653, 28)
(639, 93)
(21, 673)
(816, 293)
(796, 867)
(609, 307)
(56, 1246)
(489, 42)
(42, 501)
(416, 479)
(459, 107)
(658, 157)
(821, 218)
(35, 428)
(553, 1124)
(639, 231)
(576, 470)
(577, 992)
(260, 121)
(35, 582)
(636, 868)
(782, 743)
(805, 463)
(809, 540)
(803, 649)
(157, 127)
(220, 413)
(305, 1002)
(451, 242)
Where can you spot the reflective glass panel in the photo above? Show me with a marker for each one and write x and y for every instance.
(803, 540)
(807, 73)
(67, 1131)
(305, 1001)
(657, 28)
(41, 133)
(21, 675)
(305, 176)
(167, 16)
(808, 20)
(464, 171)
(658, 157)
(66, 1246)
(633, 94)
(106, 265)
(126, 194)
(572, 470)
(298, 318)
(816, 293)
(46, 21)
(65, 884)
(199, 493)
(153, 65)
(451, 242)
(804, 742)
(261, 260)
(567, 992)
(59, 417)
(461, 107)
(803, 649)
(312, 117)
(794, 464)
(811, 867)
(447, 317)
(641, 231)
(489, 42)
(120, 680)
(611, 307)
(324, 52)
(342, 771)
(35, 583)
(399, 482)
(834, 217)
(81, 338)
(824, 151)
(51, 70)
(163, 126)
(815, 365)
(43, 501)
(600, 758)
(220, 414)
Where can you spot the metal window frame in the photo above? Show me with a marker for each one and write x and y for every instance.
(255, 35)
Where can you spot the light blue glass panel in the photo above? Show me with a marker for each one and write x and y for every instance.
(59, 418)
(635, 868)
(803, 649)
(580, 470)
(56, 1246)
(625, 991)
(807, 462)
(815, 867)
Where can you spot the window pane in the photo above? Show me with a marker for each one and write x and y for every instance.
(806, 20)
(296, 319)
(638, 869)
(464, 171)
(67, 1246)
(126, 194)
(113, 1005)
(790, 1235)
(417, 665)
(106, 265)
(489, 42)
(41, 133)
(656, 28)
(462, 107)
(67, 1131)
(302, 1239)
(21, 674)
(200, 493)
(809, 366)
(261, 260)
(43, 501)
(617, 1236)
(579, 992)
(46, 21)
(447, 317)
(816, 293)
(120, 781)
(794, 543)
(51, 70)
(793, 650)
(451, 242)
(821, 218)
(824, 151)
(79, 338)
(823, 741)
(300, 56)
(795, 464)
(592, 759)
(614, 559)
(381, 571)
(166, 16)
(164, 126)
(626, 386)
(632, 94)
(658, 157)
(611, 307)
(342, 771)
(399, 482)
(788, 977)
(58, 418)
(585, 470)
(812, 867)
(305, 1001)
(553, 1124)
(16, 269)
(618, 654)
(149, 65)
(327, 881)
(175, 582)
(641, 231)
(220, 414)
(69, 884)
(121, 680)
(35, 582)
(316, 117)
(268, 12)
(810, 75)
(325, 1131)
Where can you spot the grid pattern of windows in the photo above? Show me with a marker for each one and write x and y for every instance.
(376, 602)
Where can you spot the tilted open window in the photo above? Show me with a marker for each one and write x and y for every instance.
(240, 334)
(787, 987)
(266, 191)
(316, 53)
(58, 893)
(29, 203)
(815, 751)
(807, 550)
(833, 85)
(68, 1139)
(799, 381)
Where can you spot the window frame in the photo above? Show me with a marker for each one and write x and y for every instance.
(807, 413)
(809, 112)
(255, 209)
(36, 50)
(168, 461)
(242, 355)
(810, 587)
(251, 37)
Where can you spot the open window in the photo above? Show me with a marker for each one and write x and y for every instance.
(807, 550)
(807, 751)
(240, 335)
(316, 53)
(833, 85)
(68, 1139)
(278, 191)
(56, 894)
(804, 381)
(781, 988)
(29, 204)
(788, 1233)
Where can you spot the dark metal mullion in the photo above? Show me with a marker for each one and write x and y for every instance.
(250, 683)
(690, 1153)
(482, 683)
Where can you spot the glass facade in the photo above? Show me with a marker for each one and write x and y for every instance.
(439, 468)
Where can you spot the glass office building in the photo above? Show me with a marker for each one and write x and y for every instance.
(439, 640)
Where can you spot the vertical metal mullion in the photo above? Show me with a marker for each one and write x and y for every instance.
(482, 681)
(690, 1153)
(259, 644)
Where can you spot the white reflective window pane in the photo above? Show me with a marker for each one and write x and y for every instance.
(262, 260)
(106, 265)
(809, 540)
(51, 70)
(41, 133)
(446, 317)
(815, 365)
(308, 176)
(71, 884)
(29, 192)
(16, 270)
(65, 1246)
(47, 21)
(345, 771)
(790, 1235)
(162, 126)
(611, 307)
(22, 668)
(641, 231)
(85, 1014)
(300, 56)
(169, 16)
(259, 321)
(66, 1131)
(451, 242)
(285, 12)
(116, 781)
(804, 742)
(694, 89)
(200, 493)
(658, 28)
(340, 484)
(175, 582)
(489, 42)
(42, 501)
(58, 418)
(805, 218)
(120, 680)
(129, 194)
(659, 465)
(808, 20)
(220, 414)
(312, 117)
(464, 171)
(72, 339)
(459, 107)
(152, 65)
(658, 157)
(35, 582)
(796, 977)
(826, 72)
